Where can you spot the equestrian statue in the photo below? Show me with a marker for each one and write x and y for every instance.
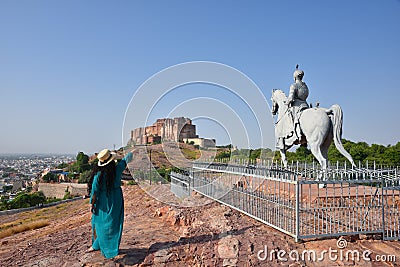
(300, 124)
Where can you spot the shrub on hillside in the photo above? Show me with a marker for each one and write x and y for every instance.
(27, 200)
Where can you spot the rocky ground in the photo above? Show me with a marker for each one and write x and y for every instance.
(156, 234)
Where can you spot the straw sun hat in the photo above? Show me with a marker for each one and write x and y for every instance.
(105, 157)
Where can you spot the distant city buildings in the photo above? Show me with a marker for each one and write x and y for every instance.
(178, 129)
(19, 172)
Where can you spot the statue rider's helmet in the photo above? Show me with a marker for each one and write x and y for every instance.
(298, 74)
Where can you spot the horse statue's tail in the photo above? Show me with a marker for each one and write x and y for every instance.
(337, 121)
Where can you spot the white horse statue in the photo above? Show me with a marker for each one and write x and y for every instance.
(319, 126)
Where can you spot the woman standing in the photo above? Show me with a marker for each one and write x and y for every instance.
(107, 204)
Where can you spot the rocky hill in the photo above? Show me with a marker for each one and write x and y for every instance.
(159, 235)
(167, 155)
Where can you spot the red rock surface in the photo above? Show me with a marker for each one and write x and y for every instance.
(159, 235)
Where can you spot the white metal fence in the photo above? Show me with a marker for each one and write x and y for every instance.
(351, 201)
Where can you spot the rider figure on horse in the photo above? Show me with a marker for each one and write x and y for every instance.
(288, 131)
(297, 100)
(298, 124)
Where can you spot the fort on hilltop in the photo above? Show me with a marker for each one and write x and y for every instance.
(178, 129)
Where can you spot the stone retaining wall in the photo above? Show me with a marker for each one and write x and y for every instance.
(59, 190)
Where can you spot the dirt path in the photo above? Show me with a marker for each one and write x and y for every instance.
(159, 235)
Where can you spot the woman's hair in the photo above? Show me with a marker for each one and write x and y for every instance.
(108, 171)
(90, 183)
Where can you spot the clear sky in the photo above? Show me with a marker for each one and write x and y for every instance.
(69, 69)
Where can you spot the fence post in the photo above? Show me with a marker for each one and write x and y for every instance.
(383, 207)
(189, 180)
(297, 207)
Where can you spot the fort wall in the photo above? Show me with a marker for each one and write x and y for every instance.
(165, 129)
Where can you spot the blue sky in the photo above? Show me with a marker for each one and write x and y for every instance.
(69, 69)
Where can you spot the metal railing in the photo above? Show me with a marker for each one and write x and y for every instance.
(179, 186)
(303, 201)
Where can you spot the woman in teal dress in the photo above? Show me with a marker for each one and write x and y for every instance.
(107, 204)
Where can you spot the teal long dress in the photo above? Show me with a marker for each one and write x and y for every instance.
(108, 215)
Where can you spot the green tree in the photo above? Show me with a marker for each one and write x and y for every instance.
(82, 162)
(4, 205)
(84, 177)
(277, 156)
(223, 155)
(62, 165)
(20, 201)
(37, 198)
(50, 177)
(25, 200)
(266, 153)
(70, 176)
(376, 153)
(7, 188)
(391, 156)
(302, 153)
(255, 154)
(359, 151)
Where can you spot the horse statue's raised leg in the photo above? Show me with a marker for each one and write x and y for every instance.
(283, 157)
